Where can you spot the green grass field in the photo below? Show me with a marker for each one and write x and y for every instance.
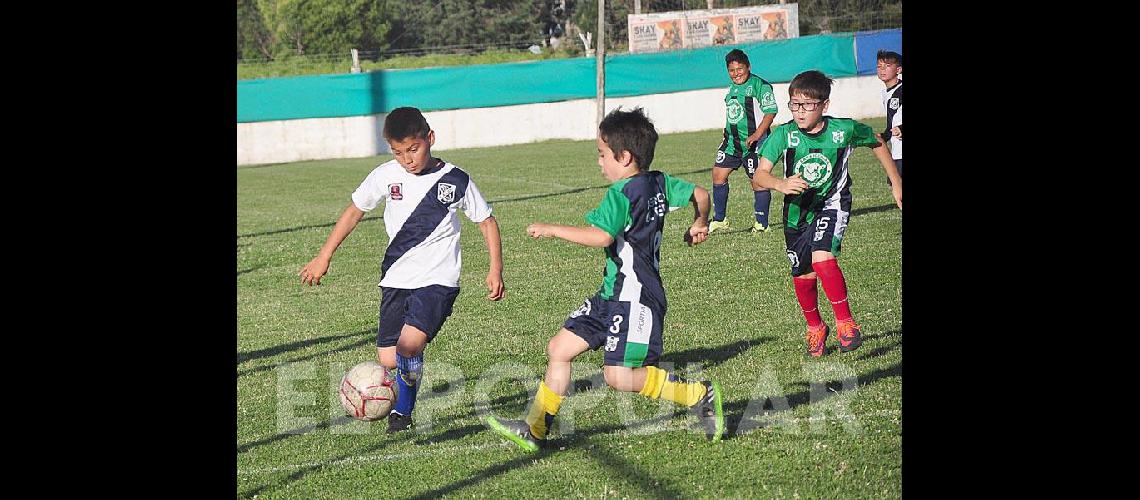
(797, 427)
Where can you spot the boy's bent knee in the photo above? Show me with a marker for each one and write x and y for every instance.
(620, 378)
(565, 346)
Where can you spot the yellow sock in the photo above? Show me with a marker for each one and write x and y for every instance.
(660, 384)
(543, 410)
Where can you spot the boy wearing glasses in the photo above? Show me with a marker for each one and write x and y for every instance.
(750, 107)
(817, 201)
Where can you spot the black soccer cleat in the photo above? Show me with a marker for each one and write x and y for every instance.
(517, 431)
(710, 411)
(398, 422)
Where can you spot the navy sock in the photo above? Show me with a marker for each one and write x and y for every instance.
(720, 200)
(408, 375)
(762, 200)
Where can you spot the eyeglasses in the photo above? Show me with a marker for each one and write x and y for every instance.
(806, 106)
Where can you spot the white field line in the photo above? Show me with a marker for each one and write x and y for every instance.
(465, 449)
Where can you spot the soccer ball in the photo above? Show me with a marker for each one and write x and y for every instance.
(366, 391)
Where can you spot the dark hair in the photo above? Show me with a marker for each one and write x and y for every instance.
(812, 83)
(889, 56)
(738, 56)
(403, 123)
(630, 131)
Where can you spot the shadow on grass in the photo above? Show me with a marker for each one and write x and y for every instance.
(302, 228)
(871, 210)
(296, 432)
(386, 441)
(709, 357)
(275, 350)
(735, 412)
(370, 340)
(254, 268)
(524, 460)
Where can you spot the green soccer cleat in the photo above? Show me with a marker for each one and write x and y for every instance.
(517, 431)
(718, 225)
(710, 411)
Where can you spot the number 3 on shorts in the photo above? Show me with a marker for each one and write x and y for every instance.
(617, 324)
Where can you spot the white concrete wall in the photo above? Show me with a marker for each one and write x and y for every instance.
(359, 136)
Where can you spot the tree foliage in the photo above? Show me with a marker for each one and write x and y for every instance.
(273, 29)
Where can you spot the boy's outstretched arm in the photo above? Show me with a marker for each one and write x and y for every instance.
(495, 288)
(589, 236)
(699, 231)
(763, 178)
(312, 272)
(888, 163)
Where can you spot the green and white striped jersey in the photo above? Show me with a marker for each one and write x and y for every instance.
(744, 107)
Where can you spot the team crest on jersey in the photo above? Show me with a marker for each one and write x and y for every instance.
(396, 191)
(735, 111)
(815, 169)
(893, 103)
(793, 258)
(446, 192)
(768, 100)
(748, 91)
(837, 136)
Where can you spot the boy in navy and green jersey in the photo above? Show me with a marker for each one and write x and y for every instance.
(750, 107)
(817, 201)
(627, 314)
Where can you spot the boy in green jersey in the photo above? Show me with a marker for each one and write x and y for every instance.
(627, 313)
(817, 201)
(750, 107)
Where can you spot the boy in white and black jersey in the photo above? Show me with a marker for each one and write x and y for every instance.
(420, 271)
(889, 70)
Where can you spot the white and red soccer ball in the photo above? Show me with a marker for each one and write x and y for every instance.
(367, 392)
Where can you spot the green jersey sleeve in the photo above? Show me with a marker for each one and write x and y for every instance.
(612, 215)
(678, 192)
(767, 97)
(863, 135)
(775, 145)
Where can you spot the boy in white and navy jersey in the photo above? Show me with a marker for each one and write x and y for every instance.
(627, 314)
(420, 271)
(889, 70)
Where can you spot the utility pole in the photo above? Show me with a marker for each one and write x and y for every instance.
(601, 62)
(636, 6)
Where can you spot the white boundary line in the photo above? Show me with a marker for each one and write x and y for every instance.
(503, 444)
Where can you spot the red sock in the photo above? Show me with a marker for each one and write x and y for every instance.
(806, 294)
(834, 286)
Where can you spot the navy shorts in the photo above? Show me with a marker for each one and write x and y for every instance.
(750, 161)
(826, 234)
(424, 308)
(630, 331)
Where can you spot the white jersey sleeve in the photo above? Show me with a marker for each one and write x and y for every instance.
(474, 206)
(371, 191)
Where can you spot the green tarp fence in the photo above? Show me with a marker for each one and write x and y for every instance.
(478, 86)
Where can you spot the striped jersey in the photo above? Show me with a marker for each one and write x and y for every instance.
(821, 160)
(744, 107)
(892, 100)
(421, 218)
(633, 213)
